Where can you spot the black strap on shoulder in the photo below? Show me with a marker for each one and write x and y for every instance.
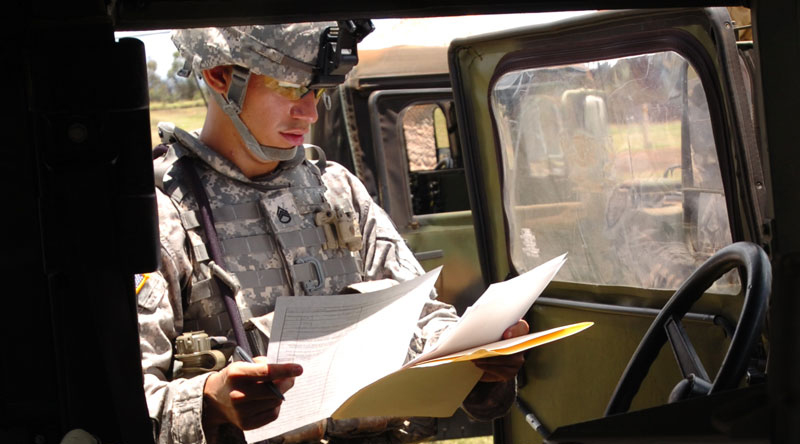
(214, 248)
(164, 157)
(319, 156)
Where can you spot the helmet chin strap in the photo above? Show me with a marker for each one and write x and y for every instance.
(232, 106)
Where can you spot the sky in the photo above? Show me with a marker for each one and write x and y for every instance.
(437, 31)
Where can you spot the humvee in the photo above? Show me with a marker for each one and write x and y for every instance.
(393, 124)
(647, 144)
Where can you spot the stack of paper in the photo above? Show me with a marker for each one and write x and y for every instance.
(352, 349)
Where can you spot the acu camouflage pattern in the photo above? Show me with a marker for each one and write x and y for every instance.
(264, 228)
(285, 52)
(178, 294)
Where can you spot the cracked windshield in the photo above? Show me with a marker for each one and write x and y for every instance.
(614, 162)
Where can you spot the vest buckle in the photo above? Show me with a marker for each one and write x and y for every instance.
(309, 285)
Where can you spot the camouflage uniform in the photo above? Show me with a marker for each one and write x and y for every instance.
(178, 295)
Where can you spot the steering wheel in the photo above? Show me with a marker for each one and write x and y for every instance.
(667, 325)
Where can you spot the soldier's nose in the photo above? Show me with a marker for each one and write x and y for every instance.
(305, 108)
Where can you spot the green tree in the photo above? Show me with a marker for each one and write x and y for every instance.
(159, 92)
(181, 88)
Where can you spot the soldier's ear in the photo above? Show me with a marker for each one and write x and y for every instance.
(218, 78)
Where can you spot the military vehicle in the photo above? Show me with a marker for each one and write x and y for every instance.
(393, 124)
(645, 143)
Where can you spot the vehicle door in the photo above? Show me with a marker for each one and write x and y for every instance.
(623, 139)
(421, 172)
(393, 124)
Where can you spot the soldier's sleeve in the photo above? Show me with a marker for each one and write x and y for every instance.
(175, 406)
(386, 256)
(490, 400)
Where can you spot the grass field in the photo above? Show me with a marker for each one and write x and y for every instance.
(624, 138)
(638, 152)
(653, 136)
(188, 118)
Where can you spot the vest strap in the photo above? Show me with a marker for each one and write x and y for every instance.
(306, 237)
(275, 277)
(162, 164)
(204, 289)
(230, 213)
(331, 267)
(240, 246)
(189, 220)
(217, 323)
(216, 253)
(199, 249)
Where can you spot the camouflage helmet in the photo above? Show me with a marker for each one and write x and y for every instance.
(286, 52)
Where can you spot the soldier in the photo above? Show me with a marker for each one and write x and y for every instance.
(245, 218)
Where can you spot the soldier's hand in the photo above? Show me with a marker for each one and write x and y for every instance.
(504, 368)
(238, 394)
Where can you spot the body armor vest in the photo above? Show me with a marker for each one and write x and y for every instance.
(275, 236)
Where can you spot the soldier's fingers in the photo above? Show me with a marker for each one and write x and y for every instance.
(283, 371)
(256, 414)
(517, 359)
(518, 329)
(489, 377)
(242, 370)
(255, 407)
(284, 384)
(260, 370)
(499, 374)
(501, 368)
(260, 389)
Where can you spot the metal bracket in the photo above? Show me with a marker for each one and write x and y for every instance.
(310, 285)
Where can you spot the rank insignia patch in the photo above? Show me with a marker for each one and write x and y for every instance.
(284, 215)
(280, 209)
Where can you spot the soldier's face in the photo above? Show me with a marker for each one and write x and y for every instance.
(274, 119)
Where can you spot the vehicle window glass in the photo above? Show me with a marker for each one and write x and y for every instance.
(435, 180)
(440, 129)
(614, 162)
(419, 137)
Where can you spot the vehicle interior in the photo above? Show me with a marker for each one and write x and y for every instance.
(405, 148)
(653, 146)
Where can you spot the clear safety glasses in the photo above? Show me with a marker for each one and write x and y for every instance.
(291, 91)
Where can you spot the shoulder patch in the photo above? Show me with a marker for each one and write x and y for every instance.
(150, 288)
(139, 281)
